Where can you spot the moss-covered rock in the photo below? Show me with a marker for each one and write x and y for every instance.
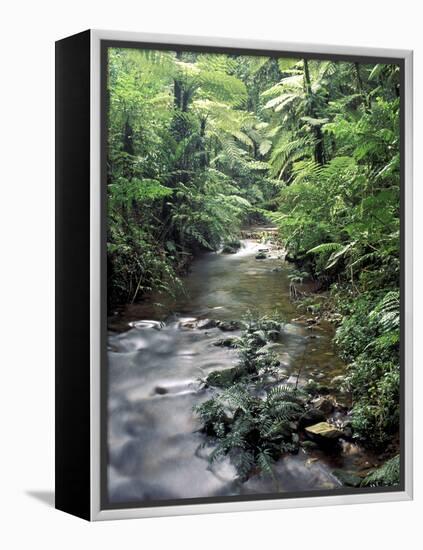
(323, 431)
(350, 479)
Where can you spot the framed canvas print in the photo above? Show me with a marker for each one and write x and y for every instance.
(233, 275)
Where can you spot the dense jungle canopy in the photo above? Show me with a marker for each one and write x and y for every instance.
(201, 145)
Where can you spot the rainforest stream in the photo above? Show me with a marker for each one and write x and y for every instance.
(157, 358)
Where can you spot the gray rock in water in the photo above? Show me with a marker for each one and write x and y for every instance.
(206, 323)
(226, 342)
(228, 325)
(261, 256)
(310, 417)
(323, 404)
(347, 478)
(316, 388)
(160, 391)
(228, 249)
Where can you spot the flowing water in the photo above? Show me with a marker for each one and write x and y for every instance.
(157, 360)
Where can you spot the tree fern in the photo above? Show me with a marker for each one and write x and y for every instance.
(265, 461)
(325, 248)
(286, 152)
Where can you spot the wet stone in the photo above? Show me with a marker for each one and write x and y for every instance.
(206, 323)
(228, 326)
(347, 478)
(323, 430)
(160, 391)
(323, 404)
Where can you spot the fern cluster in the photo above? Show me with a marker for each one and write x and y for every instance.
(385, 476)
(254, 431)
(255, 364)
(369, 340)
(253, 419)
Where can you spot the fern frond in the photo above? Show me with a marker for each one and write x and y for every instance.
(324, 248)
(386, 476)
(286, 152)
(265, 462)
(387, 311)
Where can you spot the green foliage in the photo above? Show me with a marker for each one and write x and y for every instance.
(386, 476)
(334, 130)
(251, 416)
(369, 338)
(200, 144)
(253, 431)
(183, 165)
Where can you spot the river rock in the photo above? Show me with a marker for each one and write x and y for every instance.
(323, 404)
(188, 323)
(347, 478)
(160, 390)
(228, 249)
(206, 323)
(226, 342)
(348, 433)
(315, 388)
(323, 431)
(310, 418)
(261, 256)
(228, 326)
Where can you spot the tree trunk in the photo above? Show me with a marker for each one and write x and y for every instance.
(360, 87)
(319, 153)
(128, 139)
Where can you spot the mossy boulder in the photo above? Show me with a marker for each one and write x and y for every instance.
(231, 247)
(206, 323)
(350, 479)
(323, 404)
(228, 326)
(315, 388)
(226, 342)
(323, 431)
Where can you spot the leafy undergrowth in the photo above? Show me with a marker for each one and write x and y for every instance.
(253, 416)
(368, 338)
(385, 476)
